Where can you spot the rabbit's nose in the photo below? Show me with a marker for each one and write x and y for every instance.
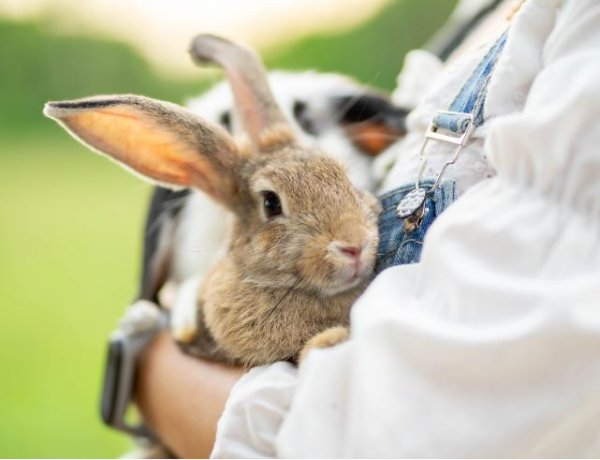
(351, 252)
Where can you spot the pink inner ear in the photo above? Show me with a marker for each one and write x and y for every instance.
(157, 140)
(371, 138)
(114, 113)
(139, 143)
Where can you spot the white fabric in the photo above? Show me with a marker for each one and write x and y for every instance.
(490, 346)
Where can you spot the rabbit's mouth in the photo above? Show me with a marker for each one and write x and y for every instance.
(343, 286)
(349, 277)
(353, 281)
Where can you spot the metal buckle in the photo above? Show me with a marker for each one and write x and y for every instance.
(461, 139)
(415, 200)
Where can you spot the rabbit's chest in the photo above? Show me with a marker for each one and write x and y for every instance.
(258, 326)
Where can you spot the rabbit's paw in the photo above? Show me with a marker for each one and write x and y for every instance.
(327, 338)
(184, 312)
(142, 316)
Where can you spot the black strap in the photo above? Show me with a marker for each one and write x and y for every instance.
(452, 35)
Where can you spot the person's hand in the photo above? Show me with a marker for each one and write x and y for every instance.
(181, 398)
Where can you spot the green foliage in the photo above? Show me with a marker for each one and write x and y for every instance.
(69, 245)
(70, 222)
(38, 66)
(373, 52)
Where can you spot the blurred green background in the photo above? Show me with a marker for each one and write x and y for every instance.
(70, 221)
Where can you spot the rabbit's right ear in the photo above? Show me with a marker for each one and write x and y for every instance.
(158, 140)
(263, 120)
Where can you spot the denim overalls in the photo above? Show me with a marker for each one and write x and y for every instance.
(397, 245)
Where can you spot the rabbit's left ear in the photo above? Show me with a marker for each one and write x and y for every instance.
(158, 140)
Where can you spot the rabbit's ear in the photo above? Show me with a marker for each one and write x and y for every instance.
(262, 118)
(371, 121)
(158, 140)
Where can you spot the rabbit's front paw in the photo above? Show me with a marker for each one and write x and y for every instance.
(184, 312)
(327, 338)
(142, 316)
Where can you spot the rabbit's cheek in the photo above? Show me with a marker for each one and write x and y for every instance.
(312, 262)
(370, 252)
(263, 240)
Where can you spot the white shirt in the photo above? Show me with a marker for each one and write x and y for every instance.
(490, 346)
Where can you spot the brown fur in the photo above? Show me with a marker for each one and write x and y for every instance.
(327, 338)
(284, 279)
(257, 325)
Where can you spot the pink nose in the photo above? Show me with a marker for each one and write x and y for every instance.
(350, 251)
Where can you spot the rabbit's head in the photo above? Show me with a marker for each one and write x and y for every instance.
(298, 219)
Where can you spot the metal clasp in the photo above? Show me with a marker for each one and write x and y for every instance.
(411, 208)
(460, 141)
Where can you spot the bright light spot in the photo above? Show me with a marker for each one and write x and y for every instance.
(162, 30)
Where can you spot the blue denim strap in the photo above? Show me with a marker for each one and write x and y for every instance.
(399, 243)
(464, 115)
(471, 98)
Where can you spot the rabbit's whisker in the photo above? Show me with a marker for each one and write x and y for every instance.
(208, 248)
(168, 205)
(338, 115)
(284, 296)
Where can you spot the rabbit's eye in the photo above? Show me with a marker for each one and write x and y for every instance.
(271, 203)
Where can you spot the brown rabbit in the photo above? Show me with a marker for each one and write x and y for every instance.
(303, 239)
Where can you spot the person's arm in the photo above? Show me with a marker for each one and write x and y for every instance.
(489, 347)
(181, 397)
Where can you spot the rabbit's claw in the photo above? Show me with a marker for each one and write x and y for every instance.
(327, 338)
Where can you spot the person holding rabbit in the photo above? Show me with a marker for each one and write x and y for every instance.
(489, 345)
(303, 237)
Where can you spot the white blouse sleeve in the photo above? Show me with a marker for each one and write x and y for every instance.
(490, 347)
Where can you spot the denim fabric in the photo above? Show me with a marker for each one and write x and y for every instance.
(396, 246)
(471, 98)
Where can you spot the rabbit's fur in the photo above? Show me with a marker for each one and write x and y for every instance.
(295, 283)
(284, 277)
(326, 111)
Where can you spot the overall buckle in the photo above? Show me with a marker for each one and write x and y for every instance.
(411, 208)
